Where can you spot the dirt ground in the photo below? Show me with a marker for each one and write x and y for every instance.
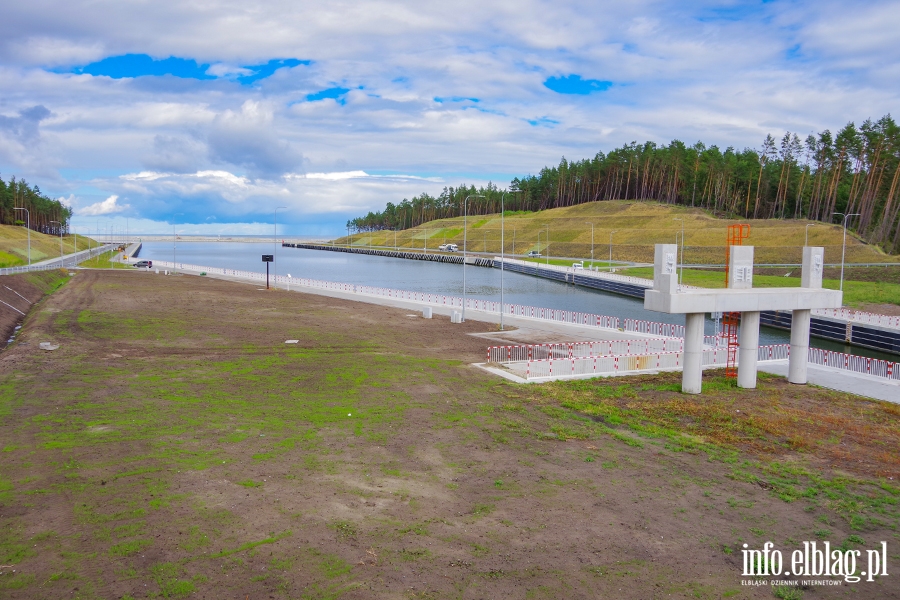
(18, 293)
(176, 446)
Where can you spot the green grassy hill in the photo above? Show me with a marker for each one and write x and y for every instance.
(635, 228)
(14, 246)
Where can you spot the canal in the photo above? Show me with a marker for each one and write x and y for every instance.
(440, 278)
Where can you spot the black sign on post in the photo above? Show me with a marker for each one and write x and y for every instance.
(267, 258)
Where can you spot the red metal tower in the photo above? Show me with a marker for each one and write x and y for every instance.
(736, 236)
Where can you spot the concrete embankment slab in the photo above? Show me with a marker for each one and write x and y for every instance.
(858, 384)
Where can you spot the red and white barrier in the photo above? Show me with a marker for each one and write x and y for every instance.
(855, 364)
(613, 364)
(855, 316)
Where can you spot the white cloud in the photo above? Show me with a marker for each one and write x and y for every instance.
(107, 207)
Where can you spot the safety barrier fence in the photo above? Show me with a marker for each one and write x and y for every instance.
(854, 316)
(616, 364)
(513, 310)
(505, 354)
(70, 260)
(855, 364)
(654, 328)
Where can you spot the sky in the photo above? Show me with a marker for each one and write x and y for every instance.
(204, 118)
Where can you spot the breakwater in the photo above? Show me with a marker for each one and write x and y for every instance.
(443, 258)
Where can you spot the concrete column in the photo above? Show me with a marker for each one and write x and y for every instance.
(692, 376)
(799, 347)
(748, 350)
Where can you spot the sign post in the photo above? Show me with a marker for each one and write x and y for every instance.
(267, 258)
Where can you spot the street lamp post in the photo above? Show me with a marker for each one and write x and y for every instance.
(28, 229)
(681, 270)
(610, 249)
(174, 241)
(502, 210)
(60, 237)
(275, 243)
(465, 239)
(548, 244)
(592, 246)
(806, 241)
(844, 244)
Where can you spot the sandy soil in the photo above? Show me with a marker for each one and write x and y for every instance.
(174, 418)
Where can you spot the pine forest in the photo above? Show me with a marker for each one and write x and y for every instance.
(853, 171)
(44, 214)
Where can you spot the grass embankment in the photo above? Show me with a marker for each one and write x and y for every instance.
(104, 261)
(165, 450)
(14, 246)
(635, 228)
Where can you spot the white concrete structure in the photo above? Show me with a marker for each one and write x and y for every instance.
(667, 297)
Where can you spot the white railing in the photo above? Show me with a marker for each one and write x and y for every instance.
(502, 354)
(69, 260)
(855, 364)
(515, 353)
(514, 310)
(623, 363)
(773, 352)
(855, 316)
(654, 328)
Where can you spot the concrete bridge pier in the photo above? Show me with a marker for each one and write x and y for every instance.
(741, 297)
(748, 352)
(810, 279)
(692, 375)
(799, 357)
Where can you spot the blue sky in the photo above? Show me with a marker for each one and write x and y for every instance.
(205, 117)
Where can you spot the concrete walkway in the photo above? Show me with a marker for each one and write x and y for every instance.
(858, 384)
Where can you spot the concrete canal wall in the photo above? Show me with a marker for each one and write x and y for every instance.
(444, 258)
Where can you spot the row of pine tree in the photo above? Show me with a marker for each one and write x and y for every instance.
(855, 171)
(42, 210)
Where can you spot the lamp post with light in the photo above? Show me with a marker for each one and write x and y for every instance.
(681, 270)
(275, 243)
(465, 239)
(610, 249)
(844, 244)
(592, 246)
(28, 228)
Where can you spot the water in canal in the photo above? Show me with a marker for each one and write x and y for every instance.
(441, 278)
